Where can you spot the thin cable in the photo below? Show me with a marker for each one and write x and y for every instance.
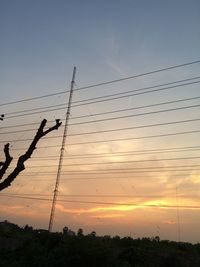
(99, 101)
(135, 108)
(135, 138)
(142, 89)
(135, 94)
(138, 75)
(119, 117)
(102, 195)
(135, 127)
(106, 203)
(108, 112)
(99, 171)
(135, 115)
(105, 83)
(33, 98)
(106, 153)
(114, 154)
(49, 108)
(74, 179)
(113, 162)
(113, 130)
(110, 140)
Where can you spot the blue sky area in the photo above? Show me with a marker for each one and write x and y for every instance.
(42, 40)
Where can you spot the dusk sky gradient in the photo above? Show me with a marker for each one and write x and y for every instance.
(41, 42)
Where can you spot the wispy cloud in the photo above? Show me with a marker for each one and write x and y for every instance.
(113, 54)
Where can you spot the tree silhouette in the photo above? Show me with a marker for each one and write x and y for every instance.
(1, 117)
(6, 182)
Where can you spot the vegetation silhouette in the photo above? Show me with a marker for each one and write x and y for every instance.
(26, 247)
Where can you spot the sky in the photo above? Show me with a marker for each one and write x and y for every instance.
(41, 42)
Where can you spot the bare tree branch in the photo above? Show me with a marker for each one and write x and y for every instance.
(4, 165)
(1, 117)
(23, 158)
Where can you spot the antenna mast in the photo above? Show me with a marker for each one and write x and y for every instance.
(61, 153)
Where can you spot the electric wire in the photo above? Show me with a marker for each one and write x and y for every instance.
(114, 162)
(114, 130)
(138, 107)
(101, 196)
(114, 170)
(105, 153)
(111, 140)
(136, 115)
(145, 89)
(104, 83)
(49, 108)
(107, 203)
(112, 155)
(119, 117)
(134, 94)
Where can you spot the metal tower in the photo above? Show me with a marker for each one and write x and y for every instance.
(61, 153)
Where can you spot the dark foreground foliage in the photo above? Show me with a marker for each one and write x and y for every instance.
(25, 247)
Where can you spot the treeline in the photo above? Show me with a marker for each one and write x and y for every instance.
(26, 247)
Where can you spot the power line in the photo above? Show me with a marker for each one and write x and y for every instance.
(135, 94)
(114, 162)
(111, 140)
(74, 179)
(99, 101)
(135, 115)
(110, 112)
(140, 89)
(105, 153)
(112, 170)
(135, 108)
(33, 98)
(104, 83)
(113, 154)
(49, 108)
(114, 130)
(106, 203)
(139, 75)
(96, 179)
(135, 127)
(102, 195)
(135, 138)
(115, 118)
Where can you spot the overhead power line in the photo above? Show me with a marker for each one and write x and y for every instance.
(109, 112)
(110, 140)
(104, 83)
(135, 138)
(102, 195)
(63, 106)
(137, 107)
(135, 115)
(115, 118)
(144, 91)
(133, 94)
(98, 178)
(136, 127)
(93, 154)
(114, 162)
(107, 203)
(139, 75)
(124, 170)
(113, 130)
(125, 154)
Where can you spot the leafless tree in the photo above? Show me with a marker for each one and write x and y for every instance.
(6, 182)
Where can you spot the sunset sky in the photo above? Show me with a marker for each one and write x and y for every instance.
(132, 159)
